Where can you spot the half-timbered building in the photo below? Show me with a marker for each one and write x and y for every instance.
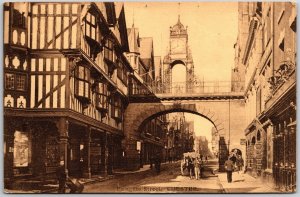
(65, 88)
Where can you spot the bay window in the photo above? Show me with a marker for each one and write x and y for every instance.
(82, 83)
(92, 35)
(101, 93)
(122, 73)
(116, 108)
(109, 56)
(109, 50)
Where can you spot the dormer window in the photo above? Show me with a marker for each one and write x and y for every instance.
(92, 35)
(90, 26)
(82, 83)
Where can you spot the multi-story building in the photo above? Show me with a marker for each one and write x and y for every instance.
(66, 86)
(201, 146)
(270, 90)
(153, 139)
(180, 135)
(141, 57)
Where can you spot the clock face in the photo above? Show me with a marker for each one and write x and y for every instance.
(178, 45)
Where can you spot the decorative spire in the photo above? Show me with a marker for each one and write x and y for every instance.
(133, 17)
(178, 18)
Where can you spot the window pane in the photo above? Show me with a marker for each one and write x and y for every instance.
(87, 90)
(80, 88)
(87, 74)
(9, 81)
(20, 79)
(87, 26)
(93, 36)
(93, 20)
(81, 72)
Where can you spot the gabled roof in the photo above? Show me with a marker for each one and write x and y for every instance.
(146, 47)
(133, 39)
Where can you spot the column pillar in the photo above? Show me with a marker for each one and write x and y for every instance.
(87, 153)
(105, 154)
(62, 126)
(132, 155)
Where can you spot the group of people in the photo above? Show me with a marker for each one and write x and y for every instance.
(195, 167)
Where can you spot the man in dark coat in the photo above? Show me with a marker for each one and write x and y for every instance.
(62, 177)
(229, 167)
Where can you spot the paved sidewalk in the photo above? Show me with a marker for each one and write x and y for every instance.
(244, 183)
(53, 188)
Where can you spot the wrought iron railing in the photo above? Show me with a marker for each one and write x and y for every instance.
(197, 88)
(285, 177)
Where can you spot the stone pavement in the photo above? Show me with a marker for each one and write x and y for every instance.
(53, 187)
(243, 183)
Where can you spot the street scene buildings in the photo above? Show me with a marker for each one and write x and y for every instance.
(86, 96)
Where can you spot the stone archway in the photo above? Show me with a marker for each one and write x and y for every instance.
(216, 111)
(139, 112)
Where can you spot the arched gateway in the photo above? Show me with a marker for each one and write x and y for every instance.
(225, 114)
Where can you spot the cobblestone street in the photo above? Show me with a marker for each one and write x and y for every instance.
(168, 181)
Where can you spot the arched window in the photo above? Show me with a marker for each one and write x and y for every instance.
(253, 141)
(258, 136)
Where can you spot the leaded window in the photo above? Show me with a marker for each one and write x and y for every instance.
(14, 81)
(122, 73)
(116, 106)
(101, 96)
(109, 50)
(92, 34)
(82, 83)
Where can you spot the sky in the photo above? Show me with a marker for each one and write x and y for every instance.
(212, 31)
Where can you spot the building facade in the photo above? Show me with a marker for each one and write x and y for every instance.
(270, 90)
(66, 87)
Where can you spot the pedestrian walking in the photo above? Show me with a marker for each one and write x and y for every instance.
(191, 167)
(197, 168)
(62, 177)
(229, 167)
(206, 159)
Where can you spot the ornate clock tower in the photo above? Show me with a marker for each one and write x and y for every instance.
(179, 53)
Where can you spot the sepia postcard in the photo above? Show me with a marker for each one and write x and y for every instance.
(149, 97)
